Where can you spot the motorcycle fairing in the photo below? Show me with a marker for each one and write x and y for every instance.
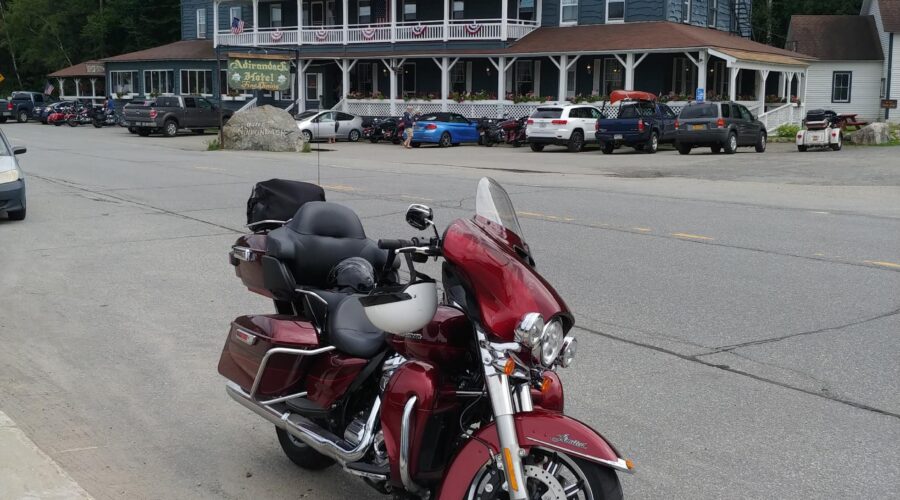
(539, 428)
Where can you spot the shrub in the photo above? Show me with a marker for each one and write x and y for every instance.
(788, 130)
(213, 145)
(307, 147)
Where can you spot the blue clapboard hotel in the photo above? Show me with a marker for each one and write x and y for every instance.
(476, 57)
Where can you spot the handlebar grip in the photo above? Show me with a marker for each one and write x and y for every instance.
(394, 244)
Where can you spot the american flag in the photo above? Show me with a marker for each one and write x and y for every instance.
(237, 26)
(49, 88)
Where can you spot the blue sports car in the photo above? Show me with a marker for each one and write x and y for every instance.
(444, 129)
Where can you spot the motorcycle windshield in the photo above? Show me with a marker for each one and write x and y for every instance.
(491, 273)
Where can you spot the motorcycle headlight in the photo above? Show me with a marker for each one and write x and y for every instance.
(570, 347)
(529, 330)
(551, 342)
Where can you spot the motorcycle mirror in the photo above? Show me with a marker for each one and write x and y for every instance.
(419, 216)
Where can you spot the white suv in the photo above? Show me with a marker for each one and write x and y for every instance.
(563, 125)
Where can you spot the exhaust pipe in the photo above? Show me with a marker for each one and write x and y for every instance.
(308, 432)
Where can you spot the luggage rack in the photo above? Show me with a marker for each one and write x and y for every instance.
(262, 368)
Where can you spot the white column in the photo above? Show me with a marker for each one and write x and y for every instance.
(255, 22)
(761, 76)
(629, 71)
(215, 23)
(301, 84)
(393, 17)
(538, 11)
(504, 4)
(444, 65)
(732, 83)
(299, 24)
(702, 62)
(447, 19)
(563, 74)
(392, 69)
(77, 91)
(346, 67)
(93, 87)
(62, 88)
(501, 77)
(346, 16)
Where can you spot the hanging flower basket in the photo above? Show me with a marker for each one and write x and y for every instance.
(473, 29)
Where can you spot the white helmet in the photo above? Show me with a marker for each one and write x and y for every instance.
(402, 311)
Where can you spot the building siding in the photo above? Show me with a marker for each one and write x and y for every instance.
(865, 87)
(645, 10)
(189, 18)
(895, 78)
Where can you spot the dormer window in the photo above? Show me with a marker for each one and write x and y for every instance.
(568, 12)
(615, 11)
(201, 23)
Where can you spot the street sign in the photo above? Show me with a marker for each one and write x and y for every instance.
(701, 94)
(885, 103)
(259, 72)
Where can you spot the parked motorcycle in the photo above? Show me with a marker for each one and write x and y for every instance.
(102, 117)
(513, 131)
(489, 132)
(452, 399)
(62, 115)
(385, 129)
(80, 116)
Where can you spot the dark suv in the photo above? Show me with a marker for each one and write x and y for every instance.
(722, 126)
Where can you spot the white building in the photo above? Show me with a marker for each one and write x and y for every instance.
(857, 59)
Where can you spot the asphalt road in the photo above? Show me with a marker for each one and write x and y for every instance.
(738, 316)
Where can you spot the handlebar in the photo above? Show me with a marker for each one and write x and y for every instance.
(395, 244)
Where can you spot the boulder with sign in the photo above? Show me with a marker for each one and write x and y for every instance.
(873, 133)
(265, 128)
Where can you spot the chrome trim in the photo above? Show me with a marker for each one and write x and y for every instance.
(523, 398)
(284, 398)
(268, 221)
(405, 430)
(305, 430)
(619, 464)
(470, 394)
(282, 350)
(243, 253)
(313, 295)
(366, 475)
(251, 337)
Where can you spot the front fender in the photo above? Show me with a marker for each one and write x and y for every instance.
(536, 429)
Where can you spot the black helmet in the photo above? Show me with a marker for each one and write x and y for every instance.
(352, 275)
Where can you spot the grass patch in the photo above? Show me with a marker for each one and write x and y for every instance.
(213, 145)
(307, 147)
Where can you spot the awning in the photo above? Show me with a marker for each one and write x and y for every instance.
(759, 60)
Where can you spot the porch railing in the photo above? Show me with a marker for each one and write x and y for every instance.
(408, 31)
(785, 114)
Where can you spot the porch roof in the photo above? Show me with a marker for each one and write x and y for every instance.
(85, 69)
(188, 50)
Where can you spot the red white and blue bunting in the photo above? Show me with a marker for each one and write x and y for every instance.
(277, 35)
(473, 29)
(321, 35)
(368, 33)
(418, 30)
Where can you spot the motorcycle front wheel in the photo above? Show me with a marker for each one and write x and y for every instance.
(550, 474)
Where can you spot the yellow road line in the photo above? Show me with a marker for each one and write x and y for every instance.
(338, 187)
(539, 215)
(892, 265)
(642, 229)
(690, 236)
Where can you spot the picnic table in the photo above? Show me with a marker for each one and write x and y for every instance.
(849, 120)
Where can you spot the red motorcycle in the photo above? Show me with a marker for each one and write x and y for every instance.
(513, 131)
(455, 398)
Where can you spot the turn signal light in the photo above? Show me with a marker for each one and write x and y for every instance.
(509, 367)
(530, 122)
(545, 384)
(720, 123)
(559, 122)
(629, 464)
(640, 125)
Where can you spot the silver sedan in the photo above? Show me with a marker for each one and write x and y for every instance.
(317, 125)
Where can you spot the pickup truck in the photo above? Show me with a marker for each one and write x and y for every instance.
(21, 105)
(171, 114)
(641, 124)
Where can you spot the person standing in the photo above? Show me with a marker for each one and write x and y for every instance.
(408, 126)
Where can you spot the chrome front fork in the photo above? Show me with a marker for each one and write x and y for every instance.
(501, 395)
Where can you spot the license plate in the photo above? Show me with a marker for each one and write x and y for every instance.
(617, 137)
(146, 124)
(697, 127)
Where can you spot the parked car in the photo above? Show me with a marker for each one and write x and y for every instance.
(316, 125)
(170, 114)
(42, 113)
(722, 126)
(561, 125)
(640, 123)
(820, 130)
(21, 105)
(12, 180)
(444, 129)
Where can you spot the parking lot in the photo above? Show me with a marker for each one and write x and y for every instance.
(737, 315)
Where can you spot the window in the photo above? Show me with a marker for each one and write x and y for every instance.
(613, 76)
(570, 83)
(364, 78)
(409, 10)
(526, 10)
(159, 81)
(234, 12)
(409, 79)
(712, 15)
(124, 82)
(684, 76)
(458, 77)
(312, 86)
(745, 113)
(201, 23)
(667, 111)
(883, 86)
(190, 102)
(717, 80)
(329, 13)
(686, 11)
(196, 81)
(459, 9)
(615, 11)
(840, 86)
(275, 15)
(364, 15)
(568, 12)
(524, 77)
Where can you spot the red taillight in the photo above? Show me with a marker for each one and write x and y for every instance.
(431, 126)
(153, 113)
(799, 136)
(677, 125)
(640, 125)
(559, 122)
(720, 123)
(9, 106)
(530, 122)
(597, 125)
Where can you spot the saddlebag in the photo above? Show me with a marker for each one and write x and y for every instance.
(246, 257)
(251, 337)
(279, 200)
